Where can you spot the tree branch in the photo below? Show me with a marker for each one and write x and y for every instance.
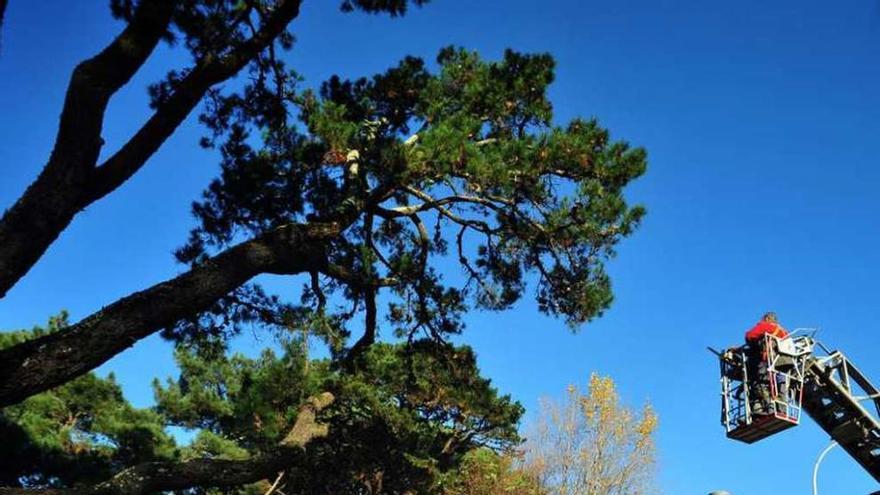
(274, 484)
(171, 113)
(152, 477)
(49, 204)
(369, 336)
(71, 181)
(40, 364)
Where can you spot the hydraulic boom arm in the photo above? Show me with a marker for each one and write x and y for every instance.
(832, 399)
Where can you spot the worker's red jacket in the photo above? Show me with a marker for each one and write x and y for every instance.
(763, 327)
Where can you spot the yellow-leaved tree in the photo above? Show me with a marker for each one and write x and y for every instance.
(592, 444)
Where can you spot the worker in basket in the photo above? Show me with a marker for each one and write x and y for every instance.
(756, 360)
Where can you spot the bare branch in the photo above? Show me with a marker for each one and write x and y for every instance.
(472, 273)
(275, 484)
(319, 293)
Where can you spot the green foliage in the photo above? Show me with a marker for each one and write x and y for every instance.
(393, 7)
(418, 163)
(253, 401)
(82, 431)
(486, 472)
(210, 445)
(403, 420)
(214, 26)
(407, 416)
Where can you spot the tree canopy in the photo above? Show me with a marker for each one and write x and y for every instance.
(398, 202)
(402, 422)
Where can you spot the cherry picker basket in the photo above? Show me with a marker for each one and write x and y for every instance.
(762, 386)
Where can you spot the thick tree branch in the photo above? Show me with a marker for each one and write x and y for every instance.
(171, 113)
(153, 477)
(431, 203)
(71, 181)
(40, 364)
(49, 204)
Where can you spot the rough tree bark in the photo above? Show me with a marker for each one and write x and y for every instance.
(40, 364)
(72, 179)
(154, 477)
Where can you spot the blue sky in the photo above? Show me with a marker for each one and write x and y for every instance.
(761, 121)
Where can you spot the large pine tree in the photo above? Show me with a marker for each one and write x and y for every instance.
(398, 202)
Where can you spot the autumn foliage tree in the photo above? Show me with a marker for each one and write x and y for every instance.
(357, 191)
(592, 444)
(589, 444)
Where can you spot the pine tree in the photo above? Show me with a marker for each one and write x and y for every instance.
(401, 423)
(371, 193)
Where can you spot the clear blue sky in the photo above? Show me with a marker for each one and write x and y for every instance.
(761, 120)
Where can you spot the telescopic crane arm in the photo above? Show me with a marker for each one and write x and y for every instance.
(835, 395)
